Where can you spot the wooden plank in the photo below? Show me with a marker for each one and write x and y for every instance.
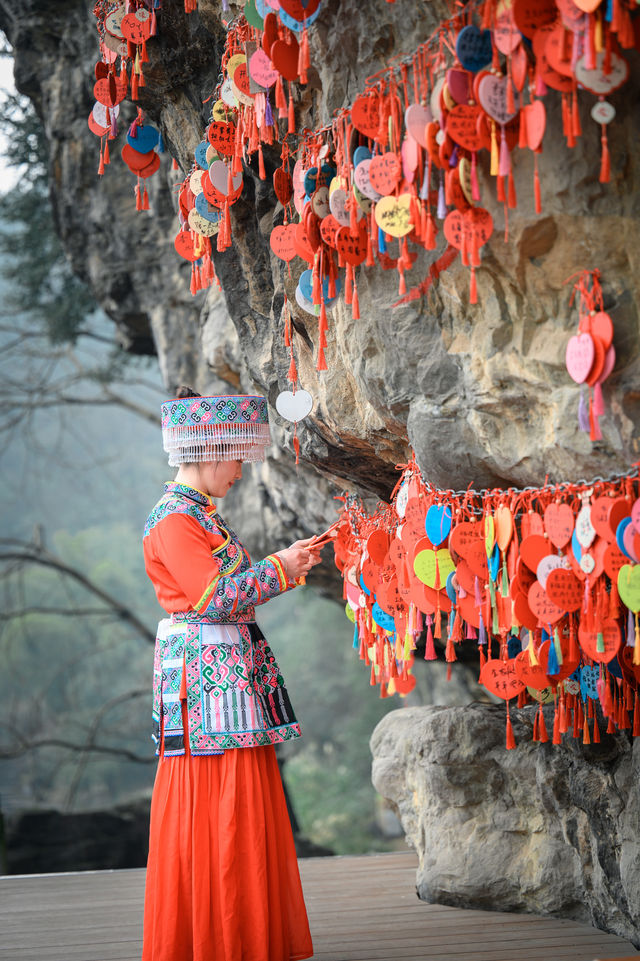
(360, 909)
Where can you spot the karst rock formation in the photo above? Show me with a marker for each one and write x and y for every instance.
(481, 393)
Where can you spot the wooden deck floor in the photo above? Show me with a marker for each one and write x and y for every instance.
(360, 909)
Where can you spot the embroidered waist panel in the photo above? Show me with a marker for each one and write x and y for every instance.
(235, 692)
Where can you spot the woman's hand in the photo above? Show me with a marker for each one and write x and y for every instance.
(298, 559)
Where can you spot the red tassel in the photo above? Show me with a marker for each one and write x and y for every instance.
(473, 289)
(145, 200)
(291, 115)
(586, 737)
(296, 444)
(522, 131)
(372, 679)
(430, 241)
(348, 285)
(511, 741)
(536, 186)
(355, 303)
(576, 128)
(144, 56)
(402, 284)
(596, 729)
(450, 651)
(512, 199)
(500, 189)
(193, 286)
(430, 649)
(101, 164)
(303, 57)
(280, 99)
(138, 198)
(261, 171)
(321, 363)
(107, 157)
(482, 656)
(605, 165)
(292, 373)
(174, 164)
(134, 85)
(636, 717)
(141, 81)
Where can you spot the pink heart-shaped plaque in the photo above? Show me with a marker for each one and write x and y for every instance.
(261, 69)
(535, 119)
(609, 364)
(363, 181)
(492, 93)
(416, 118)
(579, 357)
(219, 176)
(409, 153)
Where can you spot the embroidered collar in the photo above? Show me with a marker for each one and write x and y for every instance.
(191, 492)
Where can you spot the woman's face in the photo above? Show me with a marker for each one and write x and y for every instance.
(218, 477)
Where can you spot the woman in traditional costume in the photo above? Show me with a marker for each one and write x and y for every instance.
(222, 876)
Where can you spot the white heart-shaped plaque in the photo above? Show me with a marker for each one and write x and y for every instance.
(292, 406)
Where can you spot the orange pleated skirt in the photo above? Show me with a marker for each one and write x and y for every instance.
(222, 875)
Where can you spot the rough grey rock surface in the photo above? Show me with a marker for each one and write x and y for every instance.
(542, 829)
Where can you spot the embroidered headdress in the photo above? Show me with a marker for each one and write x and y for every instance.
(223, 427)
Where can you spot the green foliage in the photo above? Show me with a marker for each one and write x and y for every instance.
(56, 301)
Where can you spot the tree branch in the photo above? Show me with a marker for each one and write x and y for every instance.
(13, 551)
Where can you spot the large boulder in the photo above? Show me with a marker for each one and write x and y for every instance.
(542, 829)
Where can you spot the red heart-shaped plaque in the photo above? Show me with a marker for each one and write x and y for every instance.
(564, 590)
(190, 245)
(365, 113)
(559, 523)
(533, 675)
(535, 121)
(298, 10)
(284, 57)
(136, 161)
(109, 92)
(283, 185)
(462, 126)
(221, 136)
(501, 678)
(384, 172)
(270, 34)
(303, 247)
(611, 638)
(136, 26)
(283, 242)
(352, 250)
(541, 607)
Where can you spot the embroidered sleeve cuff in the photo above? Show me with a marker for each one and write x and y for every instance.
(206, 597)
(282, 577)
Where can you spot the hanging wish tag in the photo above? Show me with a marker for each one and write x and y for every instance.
(294, 406)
